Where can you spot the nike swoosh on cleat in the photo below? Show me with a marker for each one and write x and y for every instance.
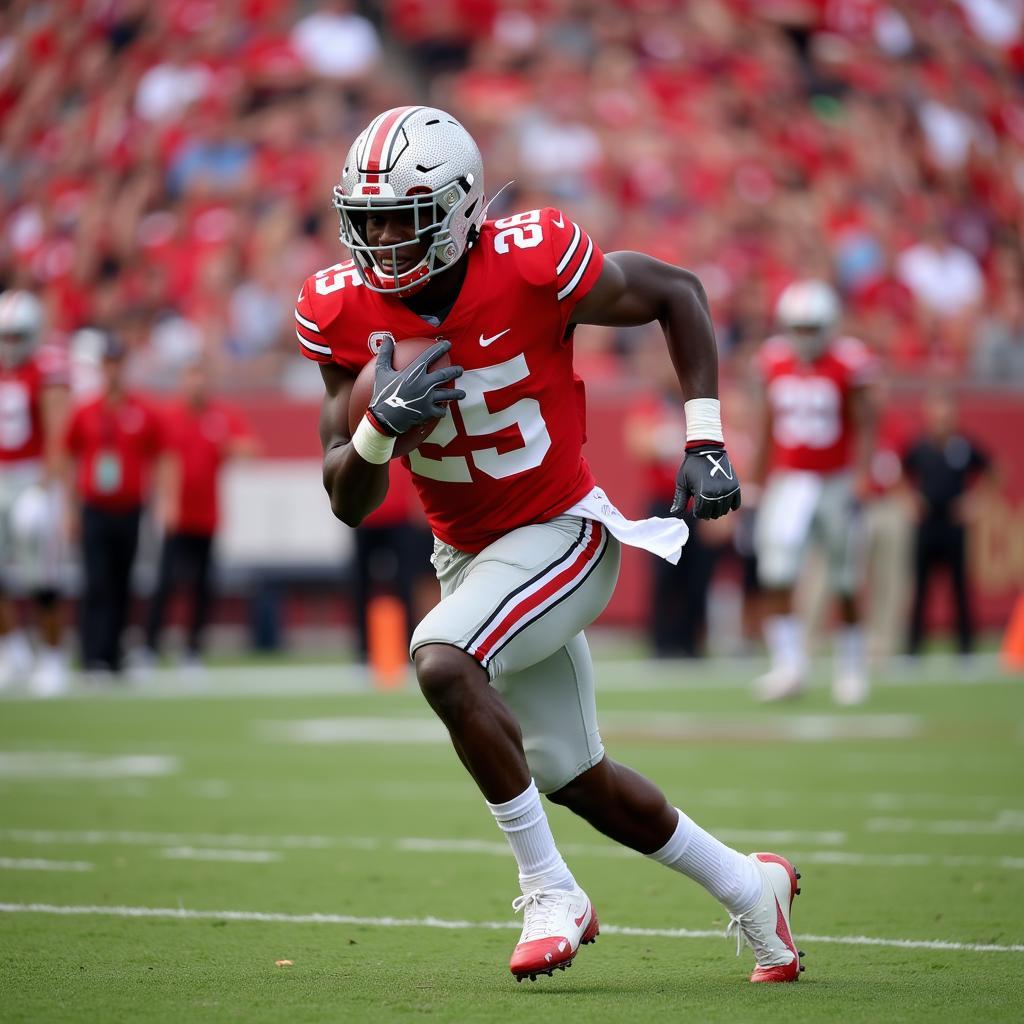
(484, 342)
(583, 916)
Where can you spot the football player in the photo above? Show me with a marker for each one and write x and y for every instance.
(33, 406)
(527, 546)
(814, 448)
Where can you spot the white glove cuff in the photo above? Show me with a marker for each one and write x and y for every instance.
(703, 420)
(371, 444)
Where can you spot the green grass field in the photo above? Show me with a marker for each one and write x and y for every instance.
(160, 851)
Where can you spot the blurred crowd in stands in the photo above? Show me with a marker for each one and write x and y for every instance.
(165, 169)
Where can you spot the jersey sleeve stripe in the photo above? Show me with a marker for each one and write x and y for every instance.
(322, 350)
(567, 256)
(308, 324)
(580, 270)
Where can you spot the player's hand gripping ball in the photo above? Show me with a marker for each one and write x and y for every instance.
(406, 389)
(707, 476)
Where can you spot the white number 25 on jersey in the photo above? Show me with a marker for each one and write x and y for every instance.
(479, 421)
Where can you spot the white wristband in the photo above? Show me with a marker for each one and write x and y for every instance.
(371, 444)
(703, 420)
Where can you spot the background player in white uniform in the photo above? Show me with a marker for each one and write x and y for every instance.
(527, 549)
(816, 438)
(33, 406)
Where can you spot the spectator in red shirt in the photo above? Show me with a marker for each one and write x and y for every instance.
(199, 433)
(113, 441)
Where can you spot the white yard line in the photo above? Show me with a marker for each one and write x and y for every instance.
(434, 922)
(626, 725)
(632, 675)
(260, 848)
(35, 864)
(66, 764)
(1006, 822)
(239, 856)
(439, 845)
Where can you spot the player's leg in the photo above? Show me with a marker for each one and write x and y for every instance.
(95, 600)
(165, 579)
(554, 702)
(956, 548)
(202, 593)
(924, 566)
(15, 649)
(781, 534)
(842, 531)
(495, 606)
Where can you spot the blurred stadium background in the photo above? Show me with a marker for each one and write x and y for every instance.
(165, 172)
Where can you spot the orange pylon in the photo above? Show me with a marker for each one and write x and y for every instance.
(388, 641)
(1013, 638)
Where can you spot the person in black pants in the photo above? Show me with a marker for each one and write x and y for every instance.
(200, 432)
(942, 466)
(113, 441)
(184, 558)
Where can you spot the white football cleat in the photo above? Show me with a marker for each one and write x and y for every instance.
(765, 927)
(16, 660)
(50, 679)
(850, 689)
(780, 684)
(556, 923)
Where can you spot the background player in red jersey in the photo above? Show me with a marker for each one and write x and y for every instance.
(527, 547)
(199, 432)
(33, 406)
(816, 438)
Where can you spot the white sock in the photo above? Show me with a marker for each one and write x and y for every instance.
(729, 876)
(848, 651)
(784, 635)
(526, 827)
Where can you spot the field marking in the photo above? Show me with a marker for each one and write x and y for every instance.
(238, 856)
(413, 843)
(36, 864)
(1004, 823)
(631, 675)
(181, 913)
(59, 764)
(242, 844)
(623, 725)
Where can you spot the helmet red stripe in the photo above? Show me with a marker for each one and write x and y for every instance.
(376, 143)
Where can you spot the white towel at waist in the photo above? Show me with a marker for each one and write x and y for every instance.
(662, 537)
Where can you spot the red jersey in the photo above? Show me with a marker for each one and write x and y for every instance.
(114, 446)
(21, 389)
(811, 402)
(200, 438)
(510, 452)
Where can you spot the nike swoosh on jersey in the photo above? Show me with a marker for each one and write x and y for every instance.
(560, 223)
(484, 342)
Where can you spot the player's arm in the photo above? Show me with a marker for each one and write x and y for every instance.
(355, 486)
(54, 405)
(636, 289)
(355, 467)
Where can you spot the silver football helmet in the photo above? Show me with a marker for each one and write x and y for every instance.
(418, 160)
(808, 311)
(21, 325)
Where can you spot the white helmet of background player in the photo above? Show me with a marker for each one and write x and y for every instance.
(21, 324)
(417, 159)
(808, 311)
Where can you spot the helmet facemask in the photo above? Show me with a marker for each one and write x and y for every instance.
(432, 212)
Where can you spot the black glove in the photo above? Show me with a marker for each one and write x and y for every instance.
(707, 476)
(403, 399)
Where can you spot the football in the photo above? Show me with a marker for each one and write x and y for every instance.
(362, 391)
